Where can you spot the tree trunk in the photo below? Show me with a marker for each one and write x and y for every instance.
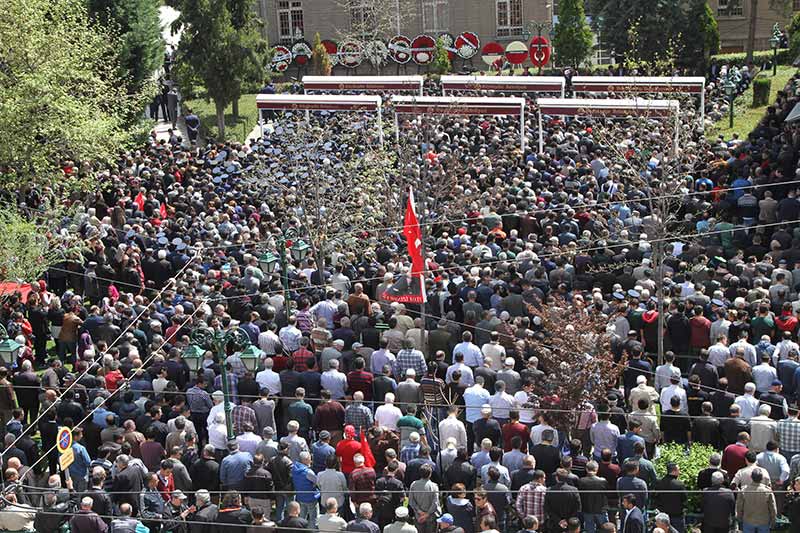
(751, 33)
(220, 107)
(235, 108)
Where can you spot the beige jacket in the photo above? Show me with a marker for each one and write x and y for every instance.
(755, 505)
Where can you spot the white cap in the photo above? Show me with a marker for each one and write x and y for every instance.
(401, 512)
(509, 361)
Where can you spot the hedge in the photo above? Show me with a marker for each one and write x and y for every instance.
(761, 91)
(738, 59)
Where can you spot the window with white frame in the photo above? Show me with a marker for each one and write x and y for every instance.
(436, 16)
(729, 8)
(509, 17)
(290, 20)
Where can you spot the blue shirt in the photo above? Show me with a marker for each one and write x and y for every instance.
(625, 445)
(234, 467)
(319, 455)
(99, 416)
(80, 466)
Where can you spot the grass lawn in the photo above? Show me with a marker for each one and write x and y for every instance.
(745, 117)
(235, 128)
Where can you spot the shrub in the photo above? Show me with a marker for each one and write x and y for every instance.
(761, 90)
(739, 58)
(690, 461)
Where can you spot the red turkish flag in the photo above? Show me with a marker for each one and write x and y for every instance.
(413, 236)
(139, 201)
(366, 451)
(162, 211)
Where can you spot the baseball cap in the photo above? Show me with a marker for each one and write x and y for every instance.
(776, 383)
(446, 518)
(324, 434)
(179, 494)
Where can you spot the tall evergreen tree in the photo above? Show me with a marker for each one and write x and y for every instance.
(638, 31)
(222, 47)
(702, 27)
(573, 37)
(141, 50)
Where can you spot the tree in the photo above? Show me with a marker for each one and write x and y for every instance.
(222, 46)
(655, 25)
(141, 50)
(320, 60)
(62, 96)
(702, 26)
(575, 352)
(794, 35)
(28, 245)
(573, 37)
(441, 60)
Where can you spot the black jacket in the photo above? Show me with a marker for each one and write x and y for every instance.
(594, 500)
(225, 517)
(256, 481)
(705, 430)
(127, 481)
(561, 502)
(53, 520)
(460, 472)
(205, 474)
(719, 505)
(670, 495)
(633, 522)
(205, 516)
(281, 469)
(102, 503)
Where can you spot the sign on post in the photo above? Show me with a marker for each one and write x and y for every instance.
(64, 444)
(64, 440)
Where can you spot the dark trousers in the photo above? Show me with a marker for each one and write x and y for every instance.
(678, 522)
(199, 421)
(470, 437)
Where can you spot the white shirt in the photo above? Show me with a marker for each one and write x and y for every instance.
(501, 402)
(749, 405)
(762, 430)
(536, 434)
(666, 395)
(718, 354)
(473, 357)
(387, 416)
(290, 337)
(494, 353)
(525, 415)
(467, 377)
(663, 374)
(784, 347)
(218, 436)
(749, 351)
(218, 408)
(248, 442)
(335, 382)
(763, 376)
(267, 341)
(474, 398)
(453, 427)
(269, 379)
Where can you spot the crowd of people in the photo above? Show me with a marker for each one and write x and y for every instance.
(367, 415)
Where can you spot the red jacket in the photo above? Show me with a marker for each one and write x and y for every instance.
(516, 429)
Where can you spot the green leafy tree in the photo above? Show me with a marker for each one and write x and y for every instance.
(29, 244)
(61, 93)
(691, 462)
(222, 47)
(441, 59)
(702, 26)
(656, 22)
(320, 60)
(794, 36)
(573, 37)
(141, 48)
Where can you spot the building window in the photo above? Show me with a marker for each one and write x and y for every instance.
(796, 5)
(363, 18)
(509, 18)
(290, 20)
(730, 8)
(436, 16)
